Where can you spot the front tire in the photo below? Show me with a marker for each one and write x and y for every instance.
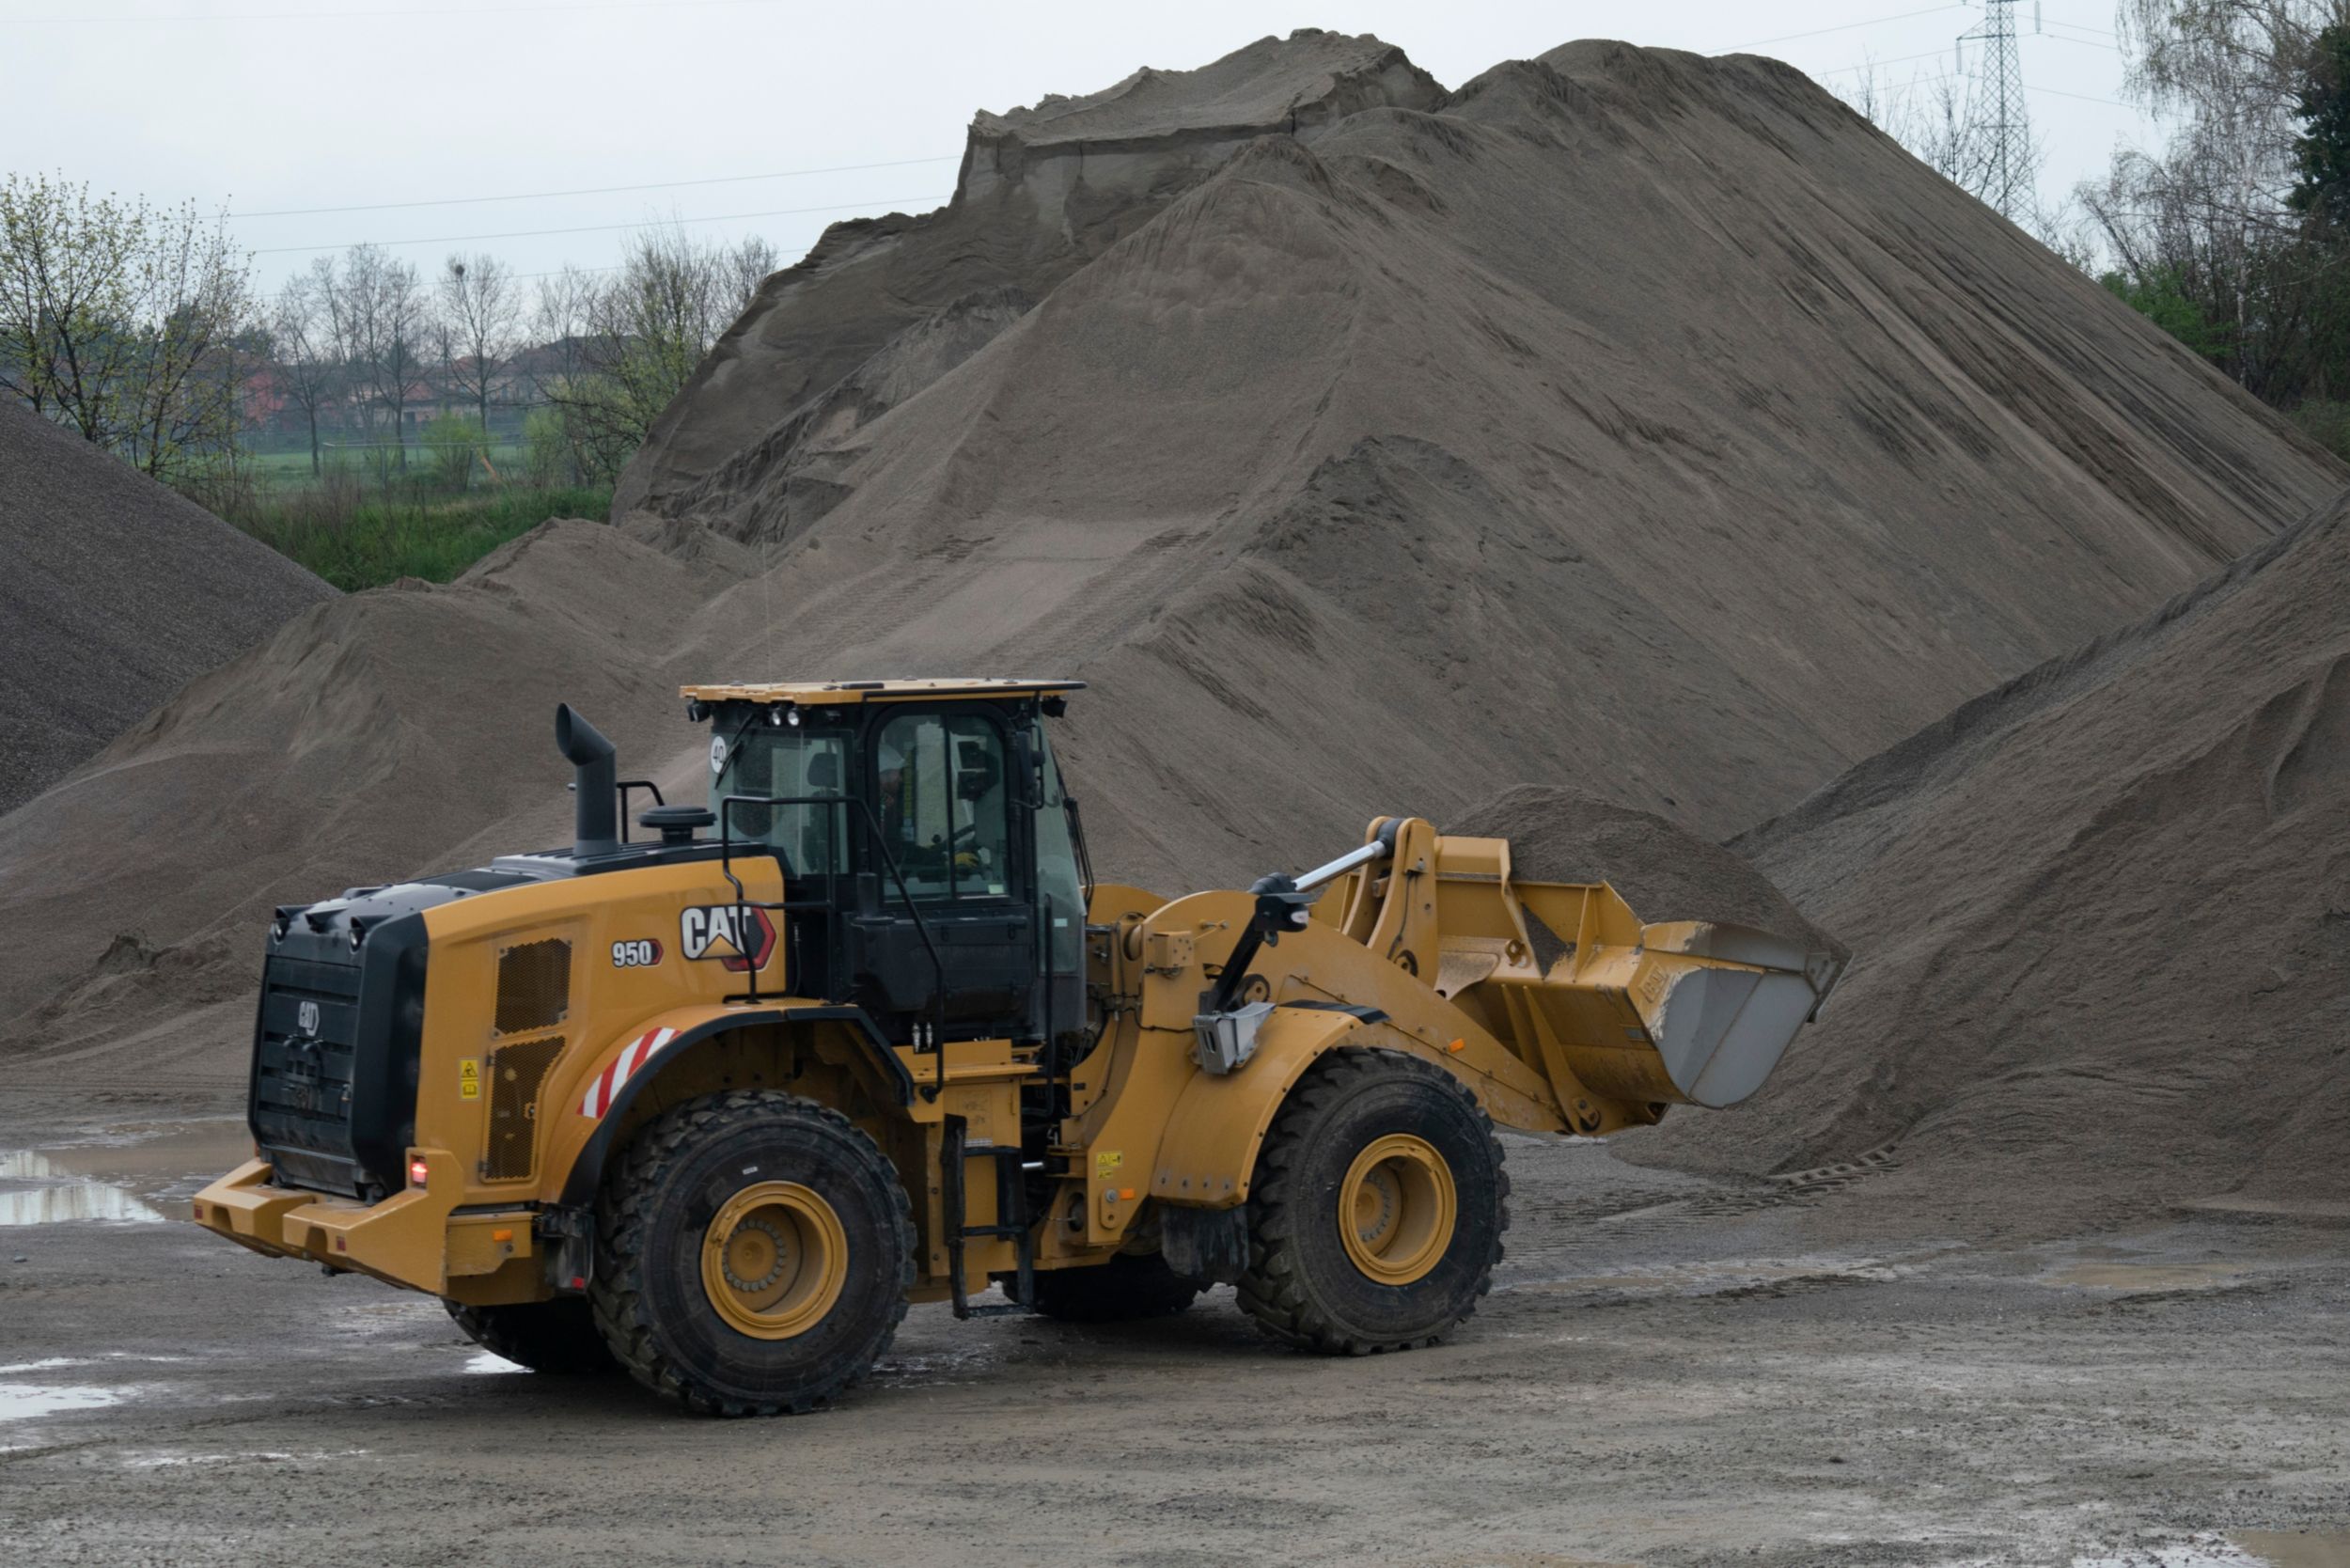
(555, 1337)
(1377, 1209)
(752, 1254)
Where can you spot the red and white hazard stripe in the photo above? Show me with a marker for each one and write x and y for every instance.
(606, 1085)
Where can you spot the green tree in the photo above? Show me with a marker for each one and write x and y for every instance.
(456, 444)
(2158, 296)
(122, 320)
(2320, 154)
(647, 328)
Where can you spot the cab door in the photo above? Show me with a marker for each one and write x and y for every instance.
(943, 790)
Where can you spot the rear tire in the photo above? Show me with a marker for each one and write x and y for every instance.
(1376, 1212)
(752, 1254)
(1130, 1287)
(558, 1338)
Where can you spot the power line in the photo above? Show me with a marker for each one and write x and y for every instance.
(2079, 26)
(1845, 27)
(1872, 65)
(592, 190)
(2085, 43)
(589, 229)
(144, 18)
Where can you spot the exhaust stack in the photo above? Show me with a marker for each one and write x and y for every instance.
(596, 813)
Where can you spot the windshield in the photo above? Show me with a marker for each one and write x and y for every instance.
(787, 763)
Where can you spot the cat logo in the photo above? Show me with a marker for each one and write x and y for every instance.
(306, 1018)
(740, 937)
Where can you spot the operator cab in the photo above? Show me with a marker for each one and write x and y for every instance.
(932, 864)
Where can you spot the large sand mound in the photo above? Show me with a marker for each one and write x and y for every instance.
(1625, 421)
(2102, 917)
(1042, 191)
(116, 593)
(1635, 422)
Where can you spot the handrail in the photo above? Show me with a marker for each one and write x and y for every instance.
(624, 786)
(921, 927)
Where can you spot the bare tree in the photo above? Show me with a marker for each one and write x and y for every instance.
(121, 319)
(2228, 74)
(748, 262)
(2207, 219)
(1943, 126)
(560, 320)
(481, 310)
(312, 356)
(385, 303)
(647, 326)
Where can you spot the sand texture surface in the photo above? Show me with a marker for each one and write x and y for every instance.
(2102, 917)
(116, 593)
(1663, 870)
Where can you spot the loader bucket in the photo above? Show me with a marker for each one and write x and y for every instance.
(1680, 1010)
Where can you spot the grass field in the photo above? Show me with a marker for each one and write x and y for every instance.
(293, 467)
(381, 542)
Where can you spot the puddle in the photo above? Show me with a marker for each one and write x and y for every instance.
(134, 1172)
(35, 1191)
(2296, 1548)
(2146, 1277)
(2244, 1548)
(23, 1401)
(1727, 1276)
(261, 1456)
(154, 1156)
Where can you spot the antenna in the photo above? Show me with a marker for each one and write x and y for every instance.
(2000, 108)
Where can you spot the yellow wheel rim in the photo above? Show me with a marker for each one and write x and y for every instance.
(774, 1260)
(1397, 1208)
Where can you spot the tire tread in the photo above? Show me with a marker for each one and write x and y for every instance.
(623, 1213)
(1272, 1291)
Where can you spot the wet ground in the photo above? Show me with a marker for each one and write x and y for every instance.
(1671, 1371)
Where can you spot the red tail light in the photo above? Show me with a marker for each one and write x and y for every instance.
(418, 1171)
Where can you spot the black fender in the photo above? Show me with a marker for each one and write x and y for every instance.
(579, 1187)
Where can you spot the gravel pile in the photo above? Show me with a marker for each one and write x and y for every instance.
(116, 593)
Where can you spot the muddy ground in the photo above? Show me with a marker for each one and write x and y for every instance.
(1672, 1369)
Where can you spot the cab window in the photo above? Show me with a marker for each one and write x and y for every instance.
(792, 763)
(942, 800)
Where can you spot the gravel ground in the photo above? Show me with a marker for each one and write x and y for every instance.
(1672, 1369)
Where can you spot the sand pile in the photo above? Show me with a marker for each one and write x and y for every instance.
(1630, 421)
(1624, 421)
(367, 739)
(1664, 871)
(2102, 917)
(116, 593)
(1042, 191)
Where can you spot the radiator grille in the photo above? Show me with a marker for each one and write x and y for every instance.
(534, 985)
(516, 1074)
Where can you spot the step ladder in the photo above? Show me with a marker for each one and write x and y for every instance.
(1012, 1211)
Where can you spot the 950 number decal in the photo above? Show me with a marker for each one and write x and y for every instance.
(641, 954)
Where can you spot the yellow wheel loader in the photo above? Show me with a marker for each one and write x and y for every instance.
(713, 1103)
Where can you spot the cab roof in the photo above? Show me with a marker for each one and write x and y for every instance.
(827, 694)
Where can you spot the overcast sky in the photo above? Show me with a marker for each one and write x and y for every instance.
(264, 106)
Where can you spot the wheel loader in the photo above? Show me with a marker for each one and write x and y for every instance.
(714, 1100)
